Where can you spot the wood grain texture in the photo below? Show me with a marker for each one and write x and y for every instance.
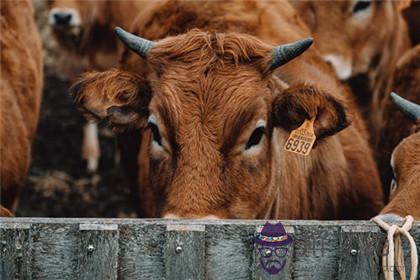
(98, 252)
(185, 252)
(15, 255)
(141, 252)
(360, 252)
(145, 249)
(54, 251)
(229, 251)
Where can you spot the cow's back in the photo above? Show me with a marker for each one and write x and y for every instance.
(20, 91)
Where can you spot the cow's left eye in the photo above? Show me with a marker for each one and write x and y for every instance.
(255, 137)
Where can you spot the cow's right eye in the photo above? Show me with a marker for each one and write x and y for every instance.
(360, 6)
(393, 185)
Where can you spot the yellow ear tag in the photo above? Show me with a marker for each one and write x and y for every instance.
(301, 139)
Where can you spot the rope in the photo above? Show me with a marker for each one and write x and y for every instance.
(394, 251)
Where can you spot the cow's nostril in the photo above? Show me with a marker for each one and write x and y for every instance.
(62, 18)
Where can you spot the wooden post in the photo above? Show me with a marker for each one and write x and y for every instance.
(185, 252)
(54, 251)
(15, 246)
(98, 251)
(229, 251)
(142, 252)
(360, 250)
(286, 272)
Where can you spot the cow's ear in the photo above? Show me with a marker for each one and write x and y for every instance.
(116, 96)
(295, 104)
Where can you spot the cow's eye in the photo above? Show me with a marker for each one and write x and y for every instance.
(361, 6)
(155, 130)
(255, 137)
(155, 133)
(394, 185)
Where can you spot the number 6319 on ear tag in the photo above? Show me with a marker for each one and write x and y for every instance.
(301, 139)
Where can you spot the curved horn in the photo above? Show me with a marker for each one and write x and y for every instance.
(284, 53)
(410, 109)
(135, 43)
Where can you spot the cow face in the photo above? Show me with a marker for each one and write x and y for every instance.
(405, 163)
(70, 19)
(208, 128)
(351, 35)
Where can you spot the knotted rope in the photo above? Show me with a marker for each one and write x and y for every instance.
(388, 259)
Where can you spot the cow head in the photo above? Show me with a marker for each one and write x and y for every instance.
(352, 35)
(70, 20)
(405, 162)
(209, 120)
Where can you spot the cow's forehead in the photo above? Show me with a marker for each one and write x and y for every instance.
(212, 102)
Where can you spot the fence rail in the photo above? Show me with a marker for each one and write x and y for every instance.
(69, 248)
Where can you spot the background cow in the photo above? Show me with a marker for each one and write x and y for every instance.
(405, 162)
(85, 30)
(216, 118)
(362, 40)
(20, 96)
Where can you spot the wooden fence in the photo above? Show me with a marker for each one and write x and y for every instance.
(68, 248)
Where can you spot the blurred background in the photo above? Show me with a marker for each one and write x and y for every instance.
(58, 184)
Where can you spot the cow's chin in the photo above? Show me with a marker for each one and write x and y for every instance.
(69, 36)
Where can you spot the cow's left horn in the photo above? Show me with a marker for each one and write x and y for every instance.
(410, 109)
(135, 43)
(284, 53)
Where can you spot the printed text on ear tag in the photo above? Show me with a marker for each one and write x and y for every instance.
(301, 139)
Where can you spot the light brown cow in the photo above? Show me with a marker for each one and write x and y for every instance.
(20, 96)
(395, 125)
(85, 30)
(362, 40)
(405, 162)
(216, 110)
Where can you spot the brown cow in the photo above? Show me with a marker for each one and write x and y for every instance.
(395, 125)
(405, 162)
(20, 96)
(216, 110)
(362, 40)
(85, 30)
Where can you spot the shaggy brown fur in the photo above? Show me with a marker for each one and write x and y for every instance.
(20, 95)
(369, 41)
(405, 200)
(211, 90)
(396, 125)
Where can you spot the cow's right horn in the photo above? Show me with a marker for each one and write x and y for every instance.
(135, 43)
(286, 52)
(410, 109)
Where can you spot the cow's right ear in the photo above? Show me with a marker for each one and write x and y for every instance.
(119, 97)
(295, 104)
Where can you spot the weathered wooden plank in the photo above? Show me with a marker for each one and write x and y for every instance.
(54, 251)
(185, 252)
(98, 251)
(286, 272)
(360, 250)
(142, 252)
(15, 246)
(315, 252)
(229, 251)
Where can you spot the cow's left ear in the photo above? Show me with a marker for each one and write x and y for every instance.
(295, 104)
(403, 4)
